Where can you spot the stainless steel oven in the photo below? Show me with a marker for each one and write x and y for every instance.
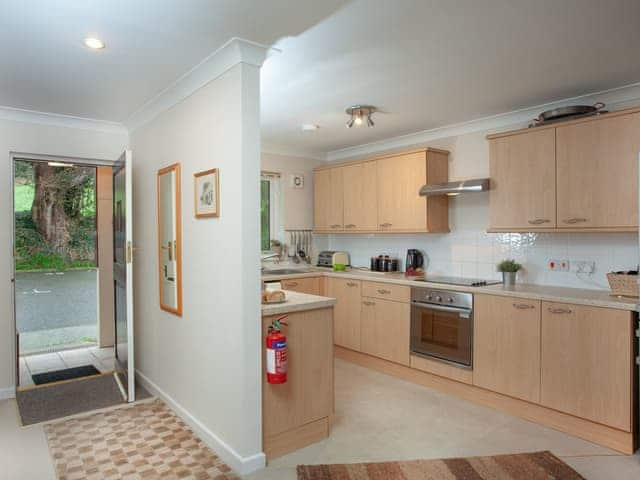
(442, 325)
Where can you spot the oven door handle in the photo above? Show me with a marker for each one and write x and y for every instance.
(463, 312)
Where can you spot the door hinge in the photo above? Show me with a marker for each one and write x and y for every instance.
(129, 252)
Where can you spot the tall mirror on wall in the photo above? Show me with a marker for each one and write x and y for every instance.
(170, 239)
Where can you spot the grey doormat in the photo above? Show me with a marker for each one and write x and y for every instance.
(65, 374)
(50, 402)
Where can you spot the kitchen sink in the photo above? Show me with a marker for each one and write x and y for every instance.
(286, 271)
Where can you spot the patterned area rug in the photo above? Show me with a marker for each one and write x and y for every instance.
(529, 466)
(145, 441)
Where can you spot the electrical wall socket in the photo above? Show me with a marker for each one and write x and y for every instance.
(558, 265)
(583, 266)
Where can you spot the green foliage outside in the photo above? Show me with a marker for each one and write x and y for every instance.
(265, 220)
(33, 252)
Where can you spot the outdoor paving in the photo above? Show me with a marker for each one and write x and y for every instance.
(56, 309)
(101, 358)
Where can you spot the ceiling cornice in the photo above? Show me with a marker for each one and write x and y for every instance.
(59, 120)
(614, 98)
(286, 151)
(235, 51)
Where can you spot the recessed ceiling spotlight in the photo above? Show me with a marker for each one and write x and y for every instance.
(310, 127)
(360, 114)
(94, 43)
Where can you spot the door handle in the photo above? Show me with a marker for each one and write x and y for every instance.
(386, 224)
(368, 303)
(560, 310)
(351, 225)
(352, 284)
(382, 291)
(539, 221)
(522, 306)
(572, 221)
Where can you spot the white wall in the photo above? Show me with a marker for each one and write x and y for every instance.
(296, 204)
(471, 252)
(42, 139)
(207, 363)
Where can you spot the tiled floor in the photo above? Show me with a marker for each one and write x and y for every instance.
(101, 358)
(377, 418)
(380, 418)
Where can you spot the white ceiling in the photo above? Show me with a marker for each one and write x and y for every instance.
(429, 63)
(150, 43)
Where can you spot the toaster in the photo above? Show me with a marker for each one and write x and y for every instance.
(329, 258)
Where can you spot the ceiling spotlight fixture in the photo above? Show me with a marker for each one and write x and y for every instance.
(360, 114)
(94, 43)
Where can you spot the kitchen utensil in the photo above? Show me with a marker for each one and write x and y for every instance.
(415, 260)
(567, 113)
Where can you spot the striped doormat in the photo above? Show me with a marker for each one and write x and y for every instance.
(530, 466)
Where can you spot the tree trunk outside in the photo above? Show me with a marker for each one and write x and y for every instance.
(48, 210)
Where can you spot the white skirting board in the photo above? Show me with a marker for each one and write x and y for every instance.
(241, 465)
(9, 392)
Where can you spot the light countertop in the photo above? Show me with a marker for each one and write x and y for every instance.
(576, 296)
(297, 302)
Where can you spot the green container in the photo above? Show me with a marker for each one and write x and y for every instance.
(339, 267)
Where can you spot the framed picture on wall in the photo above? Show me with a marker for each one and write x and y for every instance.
(207, 193)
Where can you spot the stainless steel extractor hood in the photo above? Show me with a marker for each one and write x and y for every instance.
(455, 188)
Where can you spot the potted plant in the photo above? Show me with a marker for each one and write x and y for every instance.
(509, 268)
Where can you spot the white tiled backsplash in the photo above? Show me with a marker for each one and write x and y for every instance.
(469, 251)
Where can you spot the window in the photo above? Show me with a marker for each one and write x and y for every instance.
(265, 214)
(269, 198)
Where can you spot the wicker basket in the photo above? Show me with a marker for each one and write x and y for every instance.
(624, 285)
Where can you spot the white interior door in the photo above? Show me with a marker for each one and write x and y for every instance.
(123, 273)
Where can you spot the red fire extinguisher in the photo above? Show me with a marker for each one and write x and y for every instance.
(277, 352)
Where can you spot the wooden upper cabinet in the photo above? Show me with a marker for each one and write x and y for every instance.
(400, 207)
(587, 363)
(328, 202)
(360, 196)
(381, 194)
(523, 181)
(598, 173)
(507, 346)
(579, 175)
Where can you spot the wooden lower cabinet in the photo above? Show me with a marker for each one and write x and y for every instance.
(587, 362)
(385, 329)
(297, 413)
(311, 285)
(346, 313)
(507, 346)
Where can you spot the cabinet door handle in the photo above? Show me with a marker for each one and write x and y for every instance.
(539, 221)
(382, 291)
(352, 284)
(351, 225)
(560, 310)
(522, 306)
(572, 221)
(368, 303)
(386, 224)
(336, 225)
